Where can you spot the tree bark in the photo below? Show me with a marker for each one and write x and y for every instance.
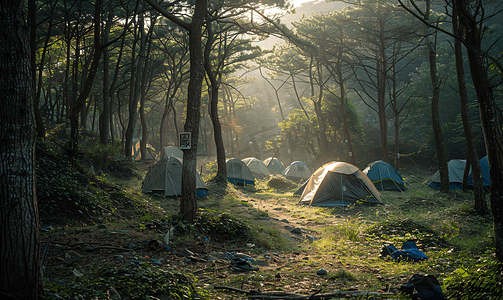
(488, 114)
(133, 95)
(32, 17)
(19, 224)
(104, 121)
(143, 87)
(478, 183)
(217, 128)
(381, 75)
(188, 203)
(435, 119)
(93, 69)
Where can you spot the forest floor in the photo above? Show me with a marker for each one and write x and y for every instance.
(120, 252)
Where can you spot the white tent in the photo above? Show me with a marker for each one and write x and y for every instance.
(297, 171)
(274, 165)
(257, 166)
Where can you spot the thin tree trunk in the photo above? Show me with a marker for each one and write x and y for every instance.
(435, 119)
(133, 96)
(143, 87)
(74, 133)
(217, 128)
(478, 182)
(105, 111)
(32, 15)
(381, 96)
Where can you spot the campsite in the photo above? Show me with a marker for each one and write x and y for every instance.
(117, 244)
(251, 149)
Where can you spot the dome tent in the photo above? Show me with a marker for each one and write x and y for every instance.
(384, 176)
(171, 151)
(456, 169)
(297, 171)
(486, 177)
(257, 167)
(239, 173)
(274, 165)
(339, 184)
(149, 152)
(166, 177)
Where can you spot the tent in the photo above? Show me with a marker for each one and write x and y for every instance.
(166, 177)
(274, 165)
(384, 176)
(172, 151)
(339, 184)
(456, 170)
(297, 171)
(486, 177)
(257, 167)
(136, 153)
(239, 173)
(300, 190)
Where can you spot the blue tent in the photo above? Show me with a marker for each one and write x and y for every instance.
(297, 171)
(384, 176)
(484, 164)
(456, 170)
(238, 172)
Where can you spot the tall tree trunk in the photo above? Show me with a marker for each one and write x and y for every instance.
(488, 114)
(188, 203)
(347, 134)
(217, 128)
(381, 95)
(32, 17)
(478, 182)
(164, 121)
(435, 119)
(143, 87)
(19, 222)
(93, 69)
(65, 113)
(105, 108)
(133, 94)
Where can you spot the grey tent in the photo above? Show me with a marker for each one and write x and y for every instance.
(257, 167)
(339, 184)
(238, 172)
(166, 177)
(297, 171)
(274, 165)
(456, 171)
(171, 151)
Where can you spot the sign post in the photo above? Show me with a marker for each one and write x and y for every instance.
(185, 140)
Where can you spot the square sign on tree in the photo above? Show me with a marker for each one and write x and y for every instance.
(184, 139)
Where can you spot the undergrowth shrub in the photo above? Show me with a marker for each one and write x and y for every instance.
(475, 279)
(132, 281)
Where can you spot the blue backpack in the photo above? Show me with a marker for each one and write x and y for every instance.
(409, 252)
